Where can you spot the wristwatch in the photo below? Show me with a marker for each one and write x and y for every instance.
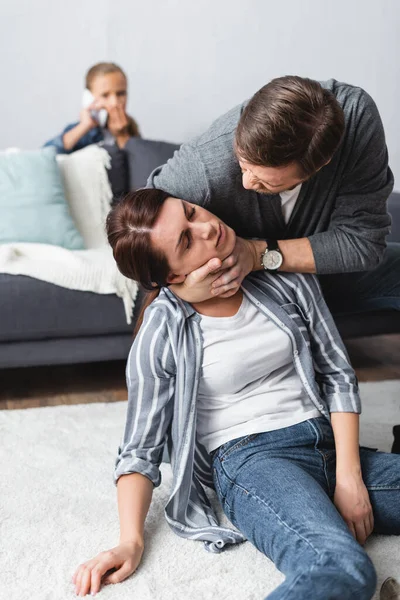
(272, 258)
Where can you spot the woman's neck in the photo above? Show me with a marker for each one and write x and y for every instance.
(220, 307)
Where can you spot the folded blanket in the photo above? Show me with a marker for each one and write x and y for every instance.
(88, 194)
(91, 270)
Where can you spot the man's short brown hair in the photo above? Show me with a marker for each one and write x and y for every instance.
(291, 119)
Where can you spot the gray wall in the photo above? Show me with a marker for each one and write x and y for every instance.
(189, 61)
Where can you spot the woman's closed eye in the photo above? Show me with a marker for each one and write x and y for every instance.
(190, 217)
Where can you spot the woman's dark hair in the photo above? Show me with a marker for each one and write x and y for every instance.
(129, 224)
(291, 119)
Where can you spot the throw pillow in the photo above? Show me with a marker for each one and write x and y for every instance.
(88, 191)
(144, 156)
(32, 201)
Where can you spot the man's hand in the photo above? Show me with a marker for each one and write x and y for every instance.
(352, 501)
(235, 267)
(197, 285)
(220, 279)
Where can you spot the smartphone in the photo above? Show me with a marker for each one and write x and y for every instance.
(100, 116)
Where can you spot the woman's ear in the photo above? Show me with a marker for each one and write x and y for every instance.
(173, 278)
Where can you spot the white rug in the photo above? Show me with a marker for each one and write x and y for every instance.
(58, 508)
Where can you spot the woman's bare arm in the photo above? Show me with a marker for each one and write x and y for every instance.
(134, 497)
(351, 496)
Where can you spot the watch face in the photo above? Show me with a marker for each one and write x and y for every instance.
(272, 260)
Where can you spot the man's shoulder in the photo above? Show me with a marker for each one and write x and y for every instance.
(350, 97)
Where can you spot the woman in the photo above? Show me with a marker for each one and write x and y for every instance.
(251, 393)
(108, 85)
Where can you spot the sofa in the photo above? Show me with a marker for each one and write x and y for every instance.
(43, 324)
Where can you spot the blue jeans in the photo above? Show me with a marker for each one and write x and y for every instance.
(377, 289)
(277, 489)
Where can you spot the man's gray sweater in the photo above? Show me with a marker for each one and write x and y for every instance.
(341, 209)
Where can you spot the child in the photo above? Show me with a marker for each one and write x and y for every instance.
(108, 84)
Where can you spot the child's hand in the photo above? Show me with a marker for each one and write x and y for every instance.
(123, 560)
(86, 119)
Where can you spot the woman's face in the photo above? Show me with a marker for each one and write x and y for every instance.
(189, 236)
(111, 90)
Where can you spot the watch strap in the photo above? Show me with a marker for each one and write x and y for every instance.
(272, 245)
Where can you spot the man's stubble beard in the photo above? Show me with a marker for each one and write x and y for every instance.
(266, 193)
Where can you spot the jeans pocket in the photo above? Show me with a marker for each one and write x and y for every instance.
(235, 445)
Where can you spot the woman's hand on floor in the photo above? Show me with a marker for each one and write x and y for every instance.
(123, 560)
(352, 501)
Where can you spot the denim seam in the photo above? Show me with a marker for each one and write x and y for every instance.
(270, 509)
(322, 556)
(223, 499)
(382, 487)
(319, 437)
(217, 485)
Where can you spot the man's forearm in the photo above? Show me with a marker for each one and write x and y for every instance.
(346, 432)
(297, 255)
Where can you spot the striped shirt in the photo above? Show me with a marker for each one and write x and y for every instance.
(163, 372)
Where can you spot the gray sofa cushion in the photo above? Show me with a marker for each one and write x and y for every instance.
(394, 210)
(32, 310)
(144, 156)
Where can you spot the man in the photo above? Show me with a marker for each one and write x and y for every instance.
(301, 173)
(303, 168)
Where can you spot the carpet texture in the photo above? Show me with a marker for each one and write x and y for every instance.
(58, 508)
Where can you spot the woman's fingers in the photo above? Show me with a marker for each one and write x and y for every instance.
(112, 566)
(88, 575)
(120, 575)
(362, 529)
(78, 578)
(98, 572)
(84, 587)
(350, 525)
(361, 533)
(371, 522)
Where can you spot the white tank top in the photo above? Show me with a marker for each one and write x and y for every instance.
(249, 383)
